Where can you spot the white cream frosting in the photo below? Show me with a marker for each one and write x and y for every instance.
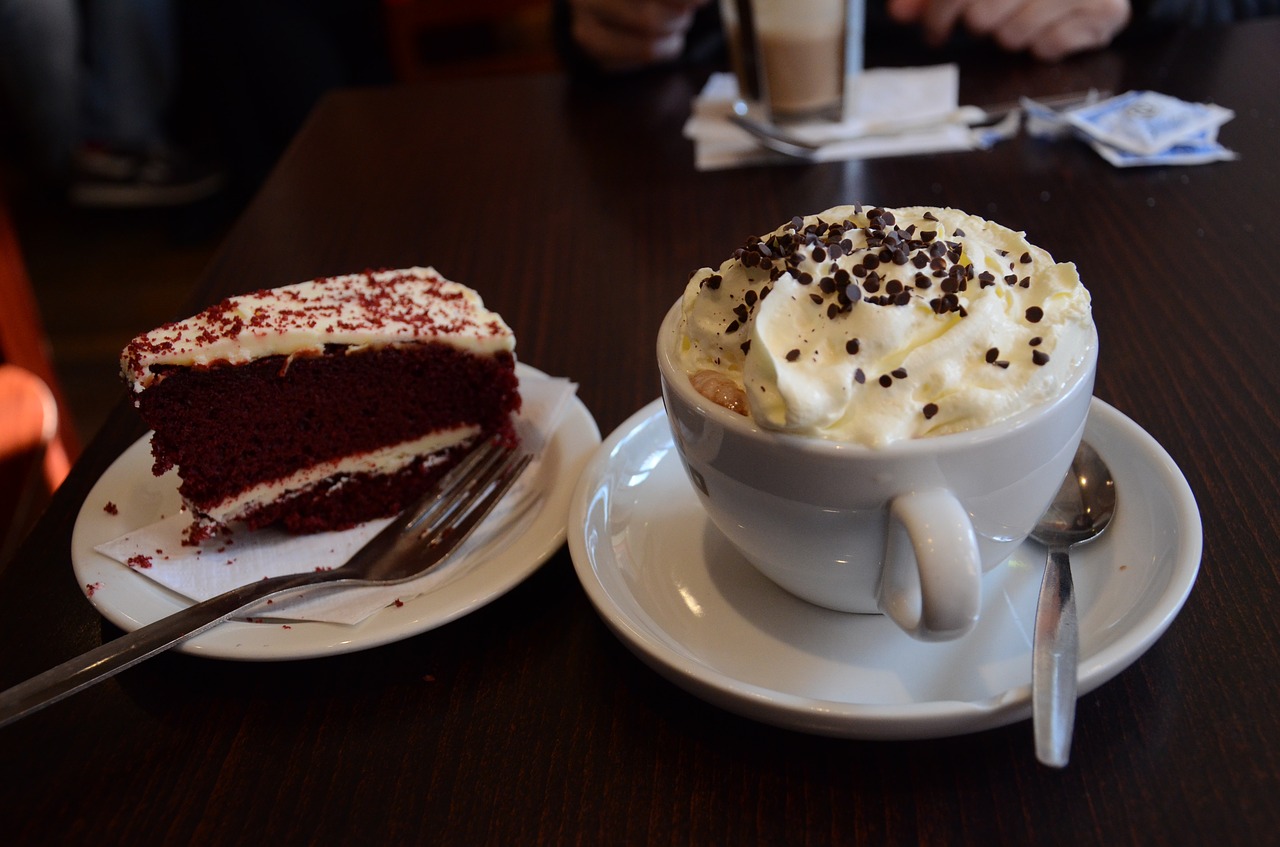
(386, 460)
(370, 309)
(944, 322)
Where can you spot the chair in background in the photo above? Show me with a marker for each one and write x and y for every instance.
(30, 426)
(37, 440)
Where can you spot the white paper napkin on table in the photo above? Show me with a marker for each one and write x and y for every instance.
(198, 573)
(891, 112)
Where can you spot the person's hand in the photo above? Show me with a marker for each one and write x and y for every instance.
(1048, 29)
(627, 34)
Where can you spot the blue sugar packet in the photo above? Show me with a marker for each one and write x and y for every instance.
(1200, 149)
(1146, 122)
(1047, 119)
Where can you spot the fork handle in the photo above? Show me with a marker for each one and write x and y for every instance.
(143, 643)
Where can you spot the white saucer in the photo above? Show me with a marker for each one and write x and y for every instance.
(130, 600)
(674, 590)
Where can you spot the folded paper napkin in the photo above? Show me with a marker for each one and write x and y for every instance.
(891, 112)
(199, 573)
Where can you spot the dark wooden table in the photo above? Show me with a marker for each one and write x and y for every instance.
(578, 214)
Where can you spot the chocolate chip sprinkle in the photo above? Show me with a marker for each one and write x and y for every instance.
(886, 380)
(930, 409)
(859, 377)
(792, 355)
(1039, 357)
(852, 346)
(1026, 259)
(899, 373)
(992, 355)
(1034, 314)
(867, 247)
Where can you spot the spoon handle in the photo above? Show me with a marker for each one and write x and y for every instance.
(1054, 662)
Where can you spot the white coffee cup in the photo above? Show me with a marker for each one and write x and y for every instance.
(907, 529)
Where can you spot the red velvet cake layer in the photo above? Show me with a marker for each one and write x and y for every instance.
(229, 428)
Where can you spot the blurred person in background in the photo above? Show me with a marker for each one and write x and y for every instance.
(612, 36)
(92, 85)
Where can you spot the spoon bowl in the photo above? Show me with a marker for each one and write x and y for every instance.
(1083, 506)
(1081, 511)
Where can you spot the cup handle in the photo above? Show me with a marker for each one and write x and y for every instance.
(931, 581)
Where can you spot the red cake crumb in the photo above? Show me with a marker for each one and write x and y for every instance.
(139, 561)
(91, 588)
(111, 508)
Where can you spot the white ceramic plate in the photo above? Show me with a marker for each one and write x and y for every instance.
(130, 600)
(674, 590)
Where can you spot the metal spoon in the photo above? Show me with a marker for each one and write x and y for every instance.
(772, 138)
(1082, 509)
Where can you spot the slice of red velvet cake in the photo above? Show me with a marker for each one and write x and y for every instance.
(323, 404)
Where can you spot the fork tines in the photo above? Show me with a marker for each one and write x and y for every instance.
(467, 493)
(426, 533)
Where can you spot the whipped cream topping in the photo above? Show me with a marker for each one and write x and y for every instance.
(876, 325)
(358, 311)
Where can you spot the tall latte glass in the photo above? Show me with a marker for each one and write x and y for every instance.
(792, 58)
(875, 406)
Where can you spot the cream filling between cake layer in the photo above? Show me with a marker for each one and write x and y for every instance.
(387, 460)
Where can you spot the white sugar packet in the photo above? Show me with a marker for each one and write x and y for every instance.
(157, 551)
(1146, 122)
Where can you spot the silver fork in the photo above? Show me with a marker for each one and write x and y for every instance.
(416, 541)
